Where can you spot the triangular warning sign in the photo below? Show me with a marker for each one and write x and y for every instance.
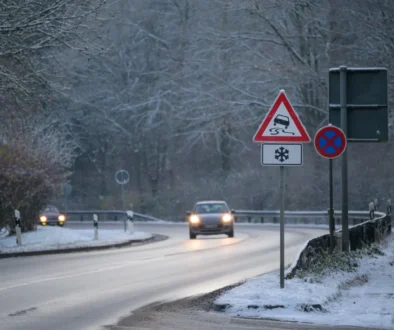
(281, 124)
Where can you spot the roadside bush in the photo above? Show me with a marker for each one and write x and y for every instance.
(28, 180)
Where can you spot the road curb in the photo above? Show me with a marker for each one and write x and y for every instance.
(155, 238)
(303, 307)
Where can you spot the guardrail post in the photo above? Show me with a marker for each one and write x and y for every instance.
(95, 225)
(371, 210)
(18, 228)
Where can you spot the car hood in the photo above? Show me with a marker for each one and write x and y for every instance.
(212, 218)
(49, 214)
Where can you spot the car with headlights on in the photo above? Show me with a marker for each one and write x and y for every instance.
(52, 216)
(210, 218)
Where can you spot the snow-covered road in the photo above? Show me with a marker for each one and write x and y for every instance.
(88, 290)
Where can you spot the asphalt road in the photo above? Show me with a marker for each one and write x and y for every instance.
(88, 290)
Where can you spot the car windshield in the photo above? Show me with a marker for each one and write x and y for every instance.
(50, 209)
(210, 208)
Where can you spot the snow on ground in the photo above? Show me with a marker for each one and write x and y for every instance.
(50, 238)
(364, 297)
(3, 232)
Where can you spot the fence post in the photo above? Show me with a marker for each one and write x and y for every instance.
(371, 210)
(130, 225)
(18, 228)
(95, 224)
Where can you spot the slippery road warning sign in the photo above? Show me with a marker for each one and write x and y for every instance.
(281, 124)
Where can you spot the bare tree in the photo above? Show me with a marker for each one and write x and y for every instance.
(28, 30)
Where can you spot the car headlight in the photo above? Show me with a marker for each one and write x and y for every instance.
(62, 217)
(194, 219)
(227, 217)
(43, 218)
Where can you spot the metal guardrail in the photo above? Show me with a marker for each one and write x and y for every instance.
(104, 215)
(300, 217)
(146, 217)
(304, 214)
(117, 215)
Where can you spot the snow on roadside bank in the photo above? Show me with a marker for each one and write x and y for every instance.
(364, 297)
(57, 238)
(3, 232)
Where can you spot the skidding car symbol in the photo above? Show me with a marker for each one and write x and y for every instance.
(282, 120)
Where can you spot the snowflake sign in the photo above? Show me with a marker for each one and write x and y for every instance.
(282, 154)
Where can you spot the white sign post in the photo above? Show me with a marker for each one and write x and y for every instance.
(130, 225)
(18, 229)
(282, 134)
(95, 225)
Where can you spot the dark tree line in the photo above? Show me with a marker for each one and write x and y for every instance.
(173, 91)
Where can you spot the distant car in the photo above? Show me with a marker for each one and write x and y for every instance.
(211, 218)
(282, 120)
(52, 216)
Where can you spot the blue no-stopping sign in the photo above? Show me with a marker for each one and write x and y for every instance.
(330, 141)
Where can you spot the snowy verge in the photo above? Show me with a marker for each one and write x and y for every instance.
(363, 296)
(3, 232)
(57, 238)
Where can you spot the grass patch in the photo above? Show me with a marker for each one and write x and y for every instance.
(326, 263)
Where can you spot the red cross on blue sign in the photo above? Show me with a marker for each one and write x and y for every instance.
(330, 141)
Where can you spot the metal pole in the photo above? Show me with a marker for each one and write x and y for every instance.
(282, 227)
(345, 206)
(122, 197)
(65, 206)
(124, 221)
(332, 219)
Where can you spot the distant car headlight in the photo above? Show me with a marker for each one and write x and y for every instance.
(194, 219)
(227, 218)
(61, 217)
(43, 218)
